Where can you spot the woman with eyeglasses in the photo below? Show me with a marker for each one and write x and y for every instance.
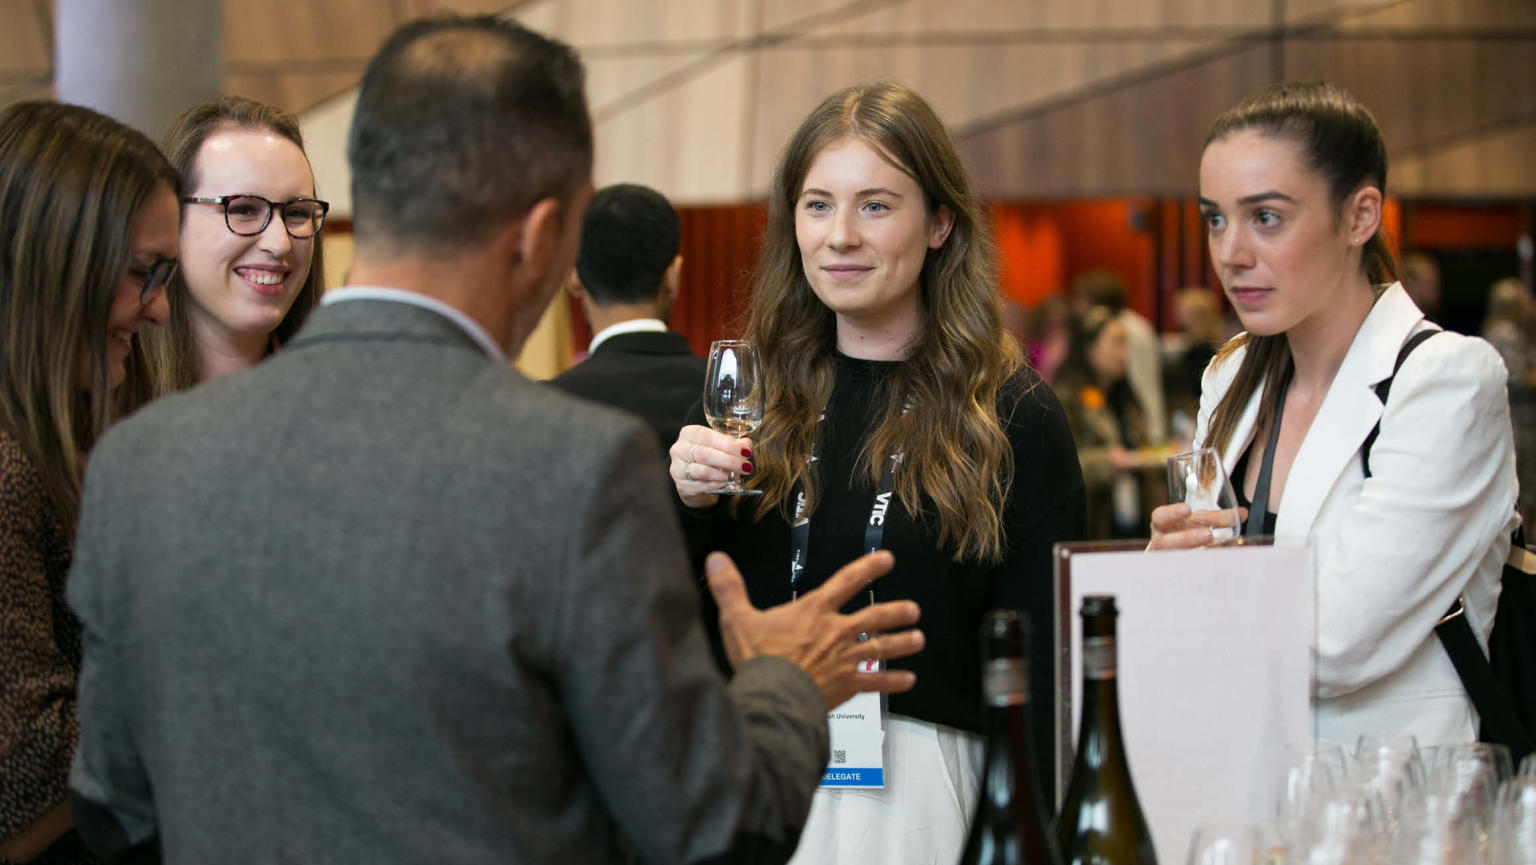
(88, 233)
(251, 258)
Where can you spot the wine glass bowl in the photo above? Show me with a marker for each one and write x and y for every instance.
(734, 398)
(1197, 479)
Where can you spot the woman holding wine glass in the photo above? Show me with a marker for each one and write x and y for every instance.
(1291, 188)
(898, 415)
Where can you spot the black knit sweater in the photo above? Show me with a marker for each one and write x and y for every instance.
(1045, 506)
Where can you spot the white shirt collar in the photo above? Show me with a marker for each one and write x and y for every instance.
(634, 325)
(411, 298)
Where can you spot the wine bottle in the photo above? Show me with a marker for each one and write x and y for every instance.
(1009, 827)
(1101, 821)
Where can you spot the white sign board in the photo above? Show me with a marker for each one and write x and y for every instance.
(1215, 671)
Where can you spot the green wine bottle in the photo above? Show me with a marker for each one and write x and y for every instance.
(1101, 821)
(1009, 826)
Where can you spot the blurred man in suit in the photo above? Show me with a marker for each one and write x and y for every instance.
(627, 280)
(381, 599)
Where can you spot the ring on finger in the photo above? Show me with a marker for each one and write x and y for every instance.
(691, 451)
(688, 471)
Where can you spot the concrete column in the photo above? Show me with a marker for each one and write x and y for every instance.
(140, 61)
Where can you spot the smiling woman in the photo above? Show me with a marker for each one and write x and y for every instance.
(252, 267)
(899, 416)
(88, 234)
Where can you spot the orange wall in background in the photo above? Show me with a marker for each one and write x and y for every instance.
(1042, 247)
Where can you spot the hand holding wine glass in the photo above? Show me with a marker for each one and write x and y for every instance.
(1203, 508)
(734, 398)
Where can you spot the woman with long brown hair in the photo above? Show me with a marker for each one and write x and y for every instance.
(252, 262)
(875, 307)
(1407, 505)
(88, 231)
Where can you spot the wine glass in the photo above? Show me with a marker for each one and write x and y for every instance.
(1197, 479)
(733, 397)
(1225, 844)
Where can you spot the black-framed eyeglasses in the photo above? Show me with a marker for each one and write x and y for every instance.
(156, 275)
(248, 215)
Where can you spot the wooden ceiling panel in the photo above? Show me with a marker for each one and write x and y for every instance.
(1419, 14)
(970, 86)
(690, 143)
(637, 24)
(1140, 139)
(277, 33)
(25, 42)
(1495, 165)
(292, 93)
(1426, 93)
(1067, 18)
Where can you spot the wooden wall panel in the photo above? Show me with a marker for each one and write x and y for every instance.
(1144, 138)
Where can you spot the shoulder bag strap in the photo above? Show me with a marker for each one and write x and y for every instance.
(1500, 723)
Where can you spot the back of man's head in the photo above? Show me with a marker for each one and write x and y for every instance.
(629, 238)
(462, 124)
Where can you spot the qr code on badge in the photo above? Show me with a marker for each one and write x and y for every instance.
(839, 757)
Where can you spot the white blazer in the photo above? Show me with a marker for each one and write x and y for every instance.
(1390, 554)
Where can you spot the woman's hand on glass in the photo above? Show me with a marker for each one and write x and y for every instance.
(1177, 527)
(702, 460)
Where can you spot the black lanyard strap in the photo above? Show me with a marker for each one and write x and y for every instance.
(874, 527)
(1260, 503)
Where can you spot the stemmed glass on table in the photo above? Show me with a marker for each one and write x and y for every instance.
(734, 398)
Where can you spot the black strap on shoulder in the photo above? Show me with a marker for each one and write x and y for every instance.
(1496, 712)
(1385, 388)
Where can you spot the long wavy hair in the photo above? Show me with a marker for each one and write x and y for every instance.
(72, 181)
(174, 359)
(1340, 142)
(956, 463)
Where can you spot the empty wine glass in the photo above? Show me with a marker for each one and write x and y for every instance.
(733, 397)
(1197, 479)
(1225, 844)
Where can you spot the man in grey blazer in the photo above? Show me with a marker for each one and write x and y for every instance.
(383, 600)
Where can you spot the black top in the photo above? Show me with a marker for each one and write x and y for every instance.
(653, 375)
(1239, 471)
(1045, 505)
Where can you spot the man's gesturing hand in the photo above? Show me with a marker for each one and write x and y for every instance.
(811, 633)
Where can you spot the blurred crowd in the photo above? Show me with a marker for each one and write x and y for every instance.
(1132, 395)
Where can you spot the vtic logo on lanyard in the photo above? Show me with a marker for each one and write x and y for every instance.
(857, 727)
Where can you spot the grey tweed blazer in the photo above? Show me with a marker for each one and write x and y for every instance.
(381, 600)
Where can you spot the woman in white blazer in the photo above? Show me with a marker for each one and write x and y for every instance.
(1291, 188)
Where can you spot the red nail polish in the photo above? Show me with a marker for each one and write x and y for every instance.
(746, 468)
(746, 452)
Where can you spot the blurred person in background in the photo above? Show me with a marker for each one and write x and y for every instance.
(894, 400)
(88, 225)
(1143, 371)
(1186, 355)
(1048, 336)
(1420, 276)
(1108, 426)
(1511, 329)
(627, 277)
(252, 267)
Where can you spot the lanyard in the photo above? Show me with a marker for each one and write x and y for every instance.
(874, 528)
(1260, 503)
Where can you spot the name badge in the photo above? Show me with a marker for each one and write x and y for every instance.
(858, 740)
